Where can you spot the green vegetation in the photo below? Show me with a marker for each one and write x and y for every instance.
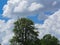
(25, 34)
(49, 40)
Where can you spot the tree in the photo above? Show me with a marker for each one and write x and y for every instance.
(49, 40)
(24, 33)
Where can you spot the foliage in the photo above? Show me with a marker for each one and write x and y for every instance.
(24, 33)
(49, 40)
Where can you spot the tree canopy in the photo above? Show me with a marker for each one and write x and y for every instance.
(49, 40)
(25, 33)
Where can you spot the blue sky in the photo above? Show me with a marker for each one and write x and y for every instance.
(35, 19)
(2, 3)
(44, 13)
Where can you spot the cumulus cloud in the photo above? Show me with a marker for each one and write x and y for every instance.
(34, 6)
(6, 31)
(23, 8)
(6, 39)
(50, 26)
(2, 23)
(20, 8)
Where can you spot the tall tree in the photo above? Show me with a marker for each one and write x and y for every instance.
(24, 33)
(49, 40)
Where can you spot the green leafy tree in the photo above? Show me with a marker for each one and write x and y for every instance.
(49, 40)
(24, 33)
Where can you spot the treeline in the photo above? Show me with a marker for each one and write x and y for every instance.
(25, 34)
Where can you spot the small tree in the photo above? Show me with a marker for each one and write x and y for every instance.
(49, 40)
(24, 33)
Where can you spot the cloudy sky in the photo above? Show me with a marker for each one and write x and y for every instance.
(44, 13)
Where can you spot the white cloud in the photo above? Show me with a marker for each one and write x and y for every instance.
(20, 8)
(35, 6)
(50, 26)
(6, 30)
(6, 39)
(2, 23)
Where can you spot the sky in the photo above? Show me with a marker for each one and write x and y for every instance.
(44, 13)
